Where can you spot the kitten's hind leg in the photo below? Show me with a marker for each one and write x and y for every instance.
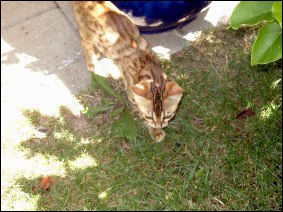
(88, 52)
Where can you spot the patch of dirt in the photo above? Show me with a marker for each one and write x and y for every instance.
(79, 123)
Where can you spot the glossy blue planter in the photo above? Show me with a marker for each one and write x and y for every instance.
(159, 16)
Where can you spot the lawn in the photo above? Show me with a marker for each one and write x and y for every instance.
(213, 157)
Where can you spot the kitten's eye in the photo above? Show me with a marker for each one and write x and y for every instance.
(148, 117)
(169, 116)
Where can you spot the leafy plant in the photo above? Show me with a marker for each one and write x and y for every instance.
(268, 45)
(126, 125)
(102, 83)
(91, 111)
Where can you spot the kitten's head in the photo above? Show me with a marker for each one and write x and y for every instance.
(157, 103)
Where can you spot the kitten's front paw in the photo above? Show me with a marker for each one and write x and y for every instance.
(157, 134)
(90, 67)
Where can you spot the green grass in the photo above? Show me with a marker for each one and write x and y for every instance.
(209, 160)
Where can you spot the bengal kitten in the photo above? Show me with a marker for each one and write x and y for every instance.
(106, 30)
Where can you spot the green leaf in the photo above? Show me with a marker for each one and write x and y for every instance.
(102, 83)
(200, 172)
(251, 13)
(268, 45)
(126, 126)
(91, 111)
(277, 11)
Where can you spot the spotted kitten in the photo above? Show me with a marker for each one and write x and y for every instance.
(106, 30)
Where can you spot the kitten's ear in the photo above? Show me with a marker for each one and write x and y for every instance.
(141, 88)
(172, 88)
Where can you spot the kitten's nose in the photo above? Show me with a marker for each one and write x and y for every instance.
(158, 125)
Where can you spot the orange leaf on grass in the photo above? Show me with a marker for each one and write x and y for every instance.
(46, 183)
(244, 114)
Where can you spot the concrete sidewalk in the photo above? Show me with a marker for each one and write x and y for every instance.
(42, 64)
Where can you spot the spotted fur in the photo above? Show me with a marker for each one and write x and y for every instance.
(105, 30)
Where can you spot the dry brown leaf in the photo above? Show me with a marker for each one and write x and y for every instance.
(46, 183)
(244, 114)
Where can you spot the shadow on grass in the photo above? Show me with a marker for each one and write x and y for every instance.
(84, 153)
(77, 190)
(64, 137)
(209, 160)
(95, 164)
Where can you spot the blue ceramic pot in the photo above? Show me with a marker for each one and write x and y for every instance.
(158, 16)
